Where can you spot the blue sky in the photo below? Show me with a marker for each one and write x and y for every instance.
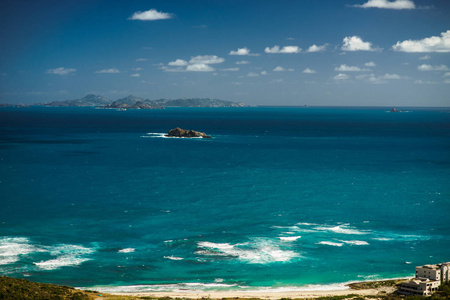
(285, 52)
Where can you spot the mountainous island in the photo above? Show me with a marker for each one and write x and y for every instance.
(132, 102)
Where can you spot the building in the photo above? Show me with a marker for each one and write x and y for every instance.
(427, 281)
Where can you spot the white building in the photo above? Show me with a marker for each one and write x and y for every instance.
(427, 281)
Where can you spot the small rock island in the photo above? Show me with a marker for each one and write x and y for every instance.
(178, 132)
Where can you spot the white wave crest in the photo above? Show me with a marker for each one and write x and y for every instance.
(289, 238)
(343, 229)
(67, 255)
(330, 243)
(258, 252)
(173, 257)
(178, 287)
(11, 248)
(155, 135)
(126, 250)
(358, 243)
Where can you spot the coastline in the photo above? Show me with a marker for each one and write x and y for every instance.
(360, 288)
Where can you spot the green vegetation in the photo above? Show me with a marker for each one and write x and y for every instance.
(11, 288)
(374, 284)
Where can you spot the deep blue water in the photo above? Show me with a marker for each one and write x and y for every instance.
(281, 197)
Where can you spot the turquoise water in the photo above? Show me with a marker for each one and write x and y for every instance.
(290, 198)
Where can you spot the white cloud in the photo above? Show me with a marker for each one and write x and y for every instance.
(263, 72)
(309, 71)
(370, 64)
(447, 81)
(175, 69)
(252, 74)
(371, 78)
(108, 71)
(137, 69)
(242, 62)
(424, 82)
(426, 57)
(426, 67)
(142, 59)
(206, 59)
(447, 74)
(345, 68)
(135, 75)
(315, 48)
(341, 76)
(150, 15)
(391, 76)
(387, 4)
(178, 63)
(61, 71)
(199, 67)
(242, 51)
(281, 69)
(431, 44)
(355, 43)
(285, 49)
(231, 69)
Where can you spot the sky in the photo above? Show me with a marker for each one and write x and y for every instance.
(260, 52)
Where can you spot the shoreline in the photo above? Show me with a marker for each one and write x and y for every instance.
(260, 294)
(359, 288)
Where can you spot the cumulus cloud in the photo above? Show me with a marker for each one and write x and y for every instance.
(281, 69)
(252, 74)
(135, 75)
(426, 67)
(231, 69)
(355, 43)
(142, 59)
(426, 57)
(242, 51)
(285, 49)
(150, 15)
(430, 44)
(206, 59)
(242, 62)
(61, 71)
(370, 64)
(178, 63)
(108, 71)
(341, 76)
(309, 71)
(345, 68)
(200, 63)
(199, 67)
(391, 76)
(388, 4)
(315, 48)
(447, 74)
(263, 72)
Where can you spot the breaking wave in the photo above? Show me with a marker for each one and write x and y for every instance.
(258, 252)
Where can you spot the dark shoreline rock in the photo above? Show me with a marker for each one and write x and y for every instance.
(178, 132)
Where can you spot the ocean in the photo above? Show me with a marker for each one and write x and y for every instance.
(279, 198)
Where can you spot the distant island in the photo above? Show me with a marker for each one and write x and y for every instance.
(132, 102)
(178, 132)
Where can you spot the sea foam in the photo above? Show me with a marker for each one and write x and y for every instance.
(257, 252)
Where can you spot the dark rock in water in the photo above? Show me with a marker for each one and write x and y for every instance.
(178, 132)
(395, 110)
